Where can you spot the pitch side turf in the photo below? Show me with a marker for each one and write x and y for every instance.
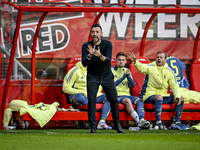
(81, 139)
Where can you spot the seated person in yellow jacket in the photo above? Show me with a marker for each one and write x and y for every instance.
(158, 77)
(74, 85)
(123, 81)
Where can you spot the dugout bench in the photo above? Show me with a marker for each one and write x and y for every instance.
(190, 111)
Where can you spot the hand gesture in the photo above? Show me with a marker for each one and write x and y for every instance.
(178, 101)
(91, 49)
(97, 52)
(127, 71)
(132, 57)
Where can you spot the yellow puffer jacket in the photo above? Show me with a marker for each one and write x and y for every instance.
(159, 77)
(190, 96)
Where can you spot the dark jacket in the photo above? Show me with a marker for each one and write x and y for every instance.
(95, 66)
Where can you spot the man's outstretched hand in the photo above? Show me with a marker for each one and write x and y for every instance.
(132, 57)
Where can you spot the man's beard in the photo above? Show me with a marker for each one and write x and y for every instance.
(96, 40)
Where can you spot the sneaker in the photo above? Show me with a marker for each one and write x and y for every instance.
(161, 126)
(144, 124)
(103, 125)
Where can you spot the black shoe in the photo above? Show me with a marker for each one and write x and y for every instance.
(119, 128)
(93, 130)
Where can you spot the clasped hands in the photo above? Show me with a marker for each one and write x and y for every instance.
(127, 71)
(93, 51)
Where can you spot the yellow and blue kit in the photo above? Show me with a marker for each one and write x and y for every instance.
(123, 81)
(159, 77)
(157, 80)
(75, 81)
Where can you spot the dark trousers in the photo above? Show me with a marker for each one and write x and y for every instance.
(108, 85)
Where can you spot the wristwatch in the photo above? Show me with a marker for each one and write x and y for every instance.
(100, 56)
(89, 56)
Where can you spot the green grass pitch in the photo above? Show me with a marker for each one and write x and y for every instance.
(81, 139)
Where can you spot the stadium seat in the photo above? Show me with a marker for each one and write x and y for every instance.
(194, 75)
(71, 64)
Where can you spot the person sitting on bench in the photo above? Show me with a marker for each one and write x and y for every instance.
(123, 81)
(158, 77)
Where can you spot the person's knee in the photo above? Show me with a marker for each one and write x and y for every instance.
(126, 102)
(158, 97)
(137, 101)
(158, 100)
(79, 99)
(83, 102)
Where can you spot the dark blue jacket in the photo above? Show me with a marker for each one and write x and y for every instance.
(95, 66)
